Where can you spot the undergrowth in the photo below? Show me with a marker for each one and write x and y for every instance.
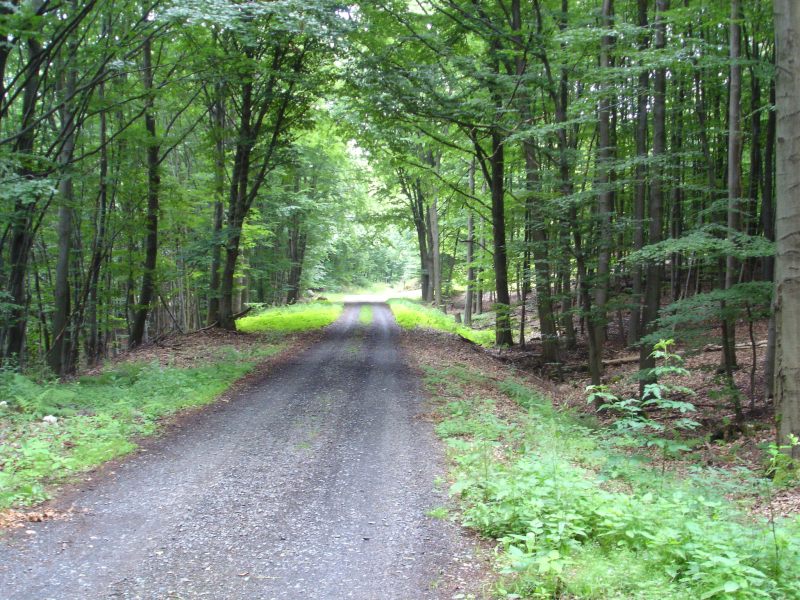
(576, 517)
(50, 431)
(410, 314)
(298, 317)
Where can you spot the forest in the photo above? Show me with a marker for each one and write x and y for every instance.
(598, 171)
(601, 193)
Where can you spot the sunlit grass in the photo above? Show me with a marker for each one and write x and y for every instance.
(365, 315)
(410, 314)
(299, 317)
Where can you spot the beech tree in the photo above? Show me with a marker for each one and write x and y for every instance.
(787, 219)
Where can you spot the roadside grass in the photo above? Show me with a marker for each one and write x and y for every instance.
(576, 517)
(411, 314)
(51, 431)
(365, 315)
(298, 317)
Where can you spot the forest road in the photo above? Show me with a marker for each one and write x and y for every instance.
(315, 483)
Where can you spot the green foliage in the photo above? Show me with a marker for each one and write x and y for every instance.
(411, 314)
(51, 431)
(577, 518)
(298, 317)
(781, 467)
(688, 320)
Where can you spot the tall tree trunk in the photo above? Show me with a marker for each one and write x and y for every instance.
(218, 125)
(237, 201)
(640, 174)
(605, 207)
(652, 292)
(151, 220)
(787, 264)
(59, 357)
(503, 302)
(767, 193)
(93, 345)
(469, 298)
(734, 179)
(535, 228)
(436, 260)
(768, 227)
(23, 223)
(420, 214)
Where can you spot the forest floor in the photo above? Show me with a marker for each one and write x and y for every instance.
(719, 442)
(313, 479)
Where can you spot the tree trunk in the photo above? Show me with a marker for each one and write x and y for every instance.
(93, 345)
(734, 179)
(640, 187)
(23, 225)
(60, 355)
(652, 292)
(469, 298)
(151, 220)
(597, 318)
(218, 125)
(767, 194)
(436, 262)
(787, 263)
(503, 303)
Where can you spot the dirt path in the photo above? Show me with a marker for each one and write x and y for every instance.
(314, 484)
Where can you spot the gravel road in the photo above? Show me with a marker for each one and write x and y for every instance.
(314, 483)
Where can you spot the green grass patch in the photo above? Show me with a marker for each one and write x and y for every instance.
(578, 518)
(365, 315)
(298, 317)
(410, 314)
(97, 418)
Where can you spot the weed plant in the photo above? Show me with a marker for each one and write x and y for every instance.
(410, 314)
(575, 517)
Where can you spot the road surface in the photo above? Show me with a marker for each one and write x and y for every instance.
(314, 483)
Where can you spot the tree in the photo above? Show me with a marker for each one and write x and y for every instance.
(787, 259)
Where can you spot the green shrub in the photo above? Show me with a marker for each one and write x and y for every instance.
(578, 518)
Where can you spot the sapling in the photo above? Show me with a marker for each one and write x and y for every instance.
(633, 412)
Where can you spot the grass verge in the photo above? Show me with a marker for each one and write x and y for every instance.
(410, 314)
(575, 517)
(50, 431)
(298, 317)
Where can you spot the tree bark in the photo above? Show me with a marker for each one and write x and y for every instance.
(60, 356)
(497, 184)
(151, 220)
(734, 179)
(469, 298)
(640, 174)
(218, 126)
(605, 208)
(787, 259)
(652, 292)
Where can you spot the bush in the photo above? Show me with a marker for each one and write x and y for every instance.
(578, 518)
